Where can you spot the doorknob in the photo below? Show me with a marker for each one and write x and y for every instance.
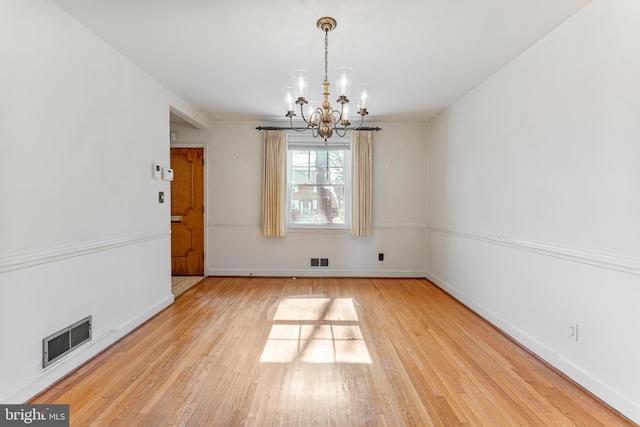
(176, 218)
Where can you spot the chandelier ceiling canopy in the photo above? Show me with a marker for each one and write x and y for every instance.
(325, 120)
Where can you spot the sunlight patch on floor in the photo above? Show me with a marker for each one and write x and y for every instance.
(315, 330)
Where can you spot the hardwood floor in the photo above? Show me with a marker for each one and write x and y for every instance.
(321, 352)
(181, 284)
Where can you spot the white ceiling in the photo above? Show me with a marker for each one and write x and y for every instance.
(230, 59)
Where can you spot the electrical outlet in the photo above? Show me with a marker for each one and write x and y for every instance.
(572, 331)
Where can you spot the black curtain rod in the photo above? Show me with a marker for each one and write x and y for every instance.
(290, 128)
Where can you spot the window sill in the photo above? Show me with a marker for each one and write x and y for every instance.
(319, 229)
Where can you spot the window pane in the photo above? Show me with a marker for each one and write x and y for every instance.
(336, 166)
(317, 167)
(317, 188)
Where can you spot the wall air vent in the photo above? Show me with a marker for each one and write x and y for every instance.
(57, 345)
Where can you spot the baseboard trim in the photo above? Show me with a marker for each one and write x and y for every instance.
(611, 262)
(594, 385)
(31, 259)
(316, 272)
(378, 226)
(60, 369)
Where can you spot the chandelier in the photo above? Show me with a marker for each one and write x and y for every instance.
(324, 120)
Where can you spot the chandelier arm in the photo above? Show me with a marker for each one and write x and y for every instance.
(342, 122)
(295, 128)
(314, 132)
(344, 131)
(320, 117)
(303, 117)
(336, 119)
(361, 121)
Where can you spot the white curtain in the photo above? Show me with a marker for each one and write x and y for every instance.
(274, 184)
(362, 178)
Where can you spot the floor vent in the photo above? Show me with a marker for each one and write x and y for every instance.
(64, 341)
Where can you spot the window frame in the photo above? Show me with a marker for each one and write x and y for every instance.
(307, 142)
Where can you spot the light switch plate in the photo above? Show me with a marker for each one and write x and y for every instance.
(157, 170)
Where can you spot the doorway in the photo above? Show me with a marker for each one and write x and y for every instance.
(187, 212)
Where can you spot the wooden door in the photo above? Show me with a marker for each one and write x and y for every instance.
(187, 212)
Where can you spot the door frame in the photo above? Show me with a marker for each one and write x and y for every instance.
(205, 175)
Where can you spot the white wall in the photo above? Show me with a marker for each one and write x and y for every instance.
(81, 229)
(534, 201)
(235, 245)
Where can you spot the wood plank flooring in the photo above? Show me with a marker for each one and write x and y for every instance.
(181, 284)
(242, 351)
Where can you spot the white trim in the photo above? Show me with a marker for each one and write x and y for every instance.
(68, 364)
(400, 226)
(611, 262)
(235, 225)
(30, 259)
(624, 404)
(189, 145)
(316, 272)
(319, 230)
(387, 226)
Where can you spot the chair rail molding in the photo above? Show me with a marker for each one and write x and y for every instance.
(611, 262)
(30, 259)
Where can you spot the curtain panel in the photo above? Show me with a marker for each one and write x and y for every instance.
(274, 184)
(362, 180)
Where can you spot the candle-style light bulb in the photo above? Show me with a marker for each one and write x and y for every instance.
(344, 76)
(300, 81)
(364, 99)
(365, 96)
(289, 99)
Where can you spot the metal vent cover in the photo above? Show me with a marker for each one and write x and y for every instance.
(60, 343)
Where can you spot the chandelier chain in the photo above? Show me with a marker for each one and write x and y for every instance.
(326, 54)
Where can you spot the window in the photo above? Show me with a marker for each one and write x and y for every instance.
(318, 183)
